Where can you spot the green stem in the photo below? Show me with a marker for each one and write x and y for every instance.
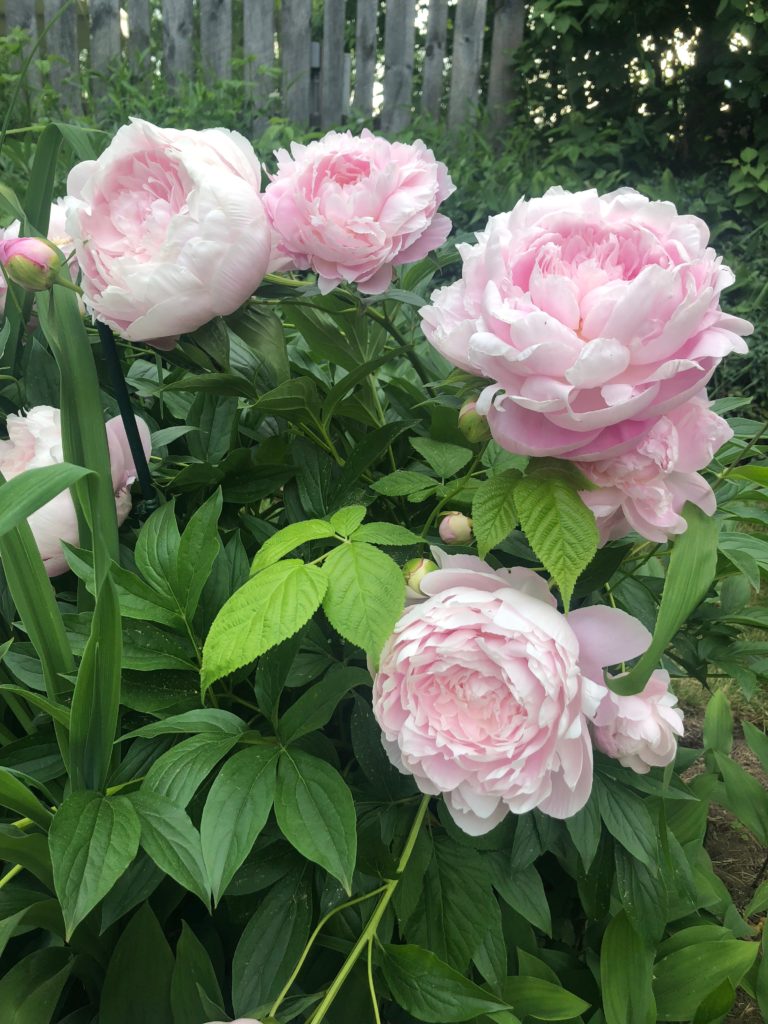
(371, 928)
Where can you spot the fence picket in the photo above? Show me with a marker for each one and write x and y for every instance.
(216, 39)
(469, 26)
(332, 63)
(104, 17)
(398, 64)
(434, 58)
(366, 32)
(295, 47)
(63, 53)
(21, 14)
(177, 41)
(138, 28)
(508, 28)
(259, 54)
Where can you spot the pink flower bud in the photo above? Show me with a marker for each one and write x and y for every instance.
(472, 425)
(414, 572)
(455, 528)
(31, 262)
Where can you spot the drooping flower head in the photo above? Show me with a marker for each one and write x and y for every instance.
(34, 440)
(170, 229)
(593, 316)
(646, 488)
(484, 690)
(353, 207)
(640, 731)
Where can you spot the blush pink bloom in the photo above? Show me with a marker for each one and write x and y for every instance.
(34, 440)
(646, 488)
(57, 234)
(353, 207)
(31, 262)
(170, 229)
(641, 731)
(484, 690)
(594, 316)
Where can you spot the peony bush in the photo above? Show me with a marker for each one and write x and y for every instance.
(349, 578)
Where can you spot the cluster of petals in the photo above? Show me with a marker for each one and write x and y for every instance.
(640, 731)
(170, 229)
(57, 234)
(646, 488)
(353, 207)
(485, 691)
(592, 315)
(34, 440)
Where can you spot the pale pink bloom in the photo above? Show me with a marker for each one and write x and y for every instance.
(34, 440)
(594, 316)
(31, 262)
(484, 690)
(353, 207)
(641, 731)
(646, 488)
(455, 528)
(169, 228)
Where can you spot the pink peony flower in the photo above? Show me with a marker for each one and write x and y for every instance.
(31, 262)
(646, 488)
(170, 229)
(484, 689)
(455, 528)
(594, 316)
(34, 440)
(640, 731)
(352, 208)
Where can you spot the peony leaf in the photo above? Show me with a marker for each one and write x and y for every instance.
(443, 458)
(289, 538)
(494, 515)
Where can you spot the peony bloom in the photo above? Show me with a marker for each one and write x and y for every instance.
(34, 440)
(640, 731)
(484, 690)
(169, 228)
(593, 315)
(646, 488)
(352, 208)
(31, 262)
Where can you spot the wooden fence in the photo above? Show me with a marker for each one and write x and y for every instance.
(315, 80)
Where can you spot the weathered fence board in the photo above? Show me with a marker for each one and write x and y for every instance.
(434, 58)
(296, 55)
(21, 14)
(216, 39)
(398, 64)
(469, 26)
(62, 51)
(138, 28)
(332, 64)
(177, 41)
(366, 32)
(104, 17)
(259, 55)
(508, 28)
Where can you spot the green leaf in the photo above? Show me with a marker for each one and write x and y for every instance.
(403, 482)
(745, 797)
(626, 975)
(365, 595)
(316, 813)
(213, 721)
(172, 841)
(585, 829)
(347, 520)
(559, 526)
(432, 991)
(445, 459)
(523, 890)
(191, 969)
(627, 819)
(692, 566)
(179, 772)
(268, 609)
(314, 707)
(289, 538)
(757, 741)
(271, 943)
(157, 548)
(58, 712)
(718, 724)
(30, 990)
(198, 549)
(494, 515)
(643, 895)
(17, 797)
(92, 841)
(137, 985)
(32, 489)
(96, 700)
(542, 1000)
(686, 977)
(719, 1001)
(236, 811)
(388, 534)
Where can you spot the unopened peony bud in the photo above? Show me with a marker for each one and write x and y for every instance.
(414, 572)
(455, 528)
(31, 262)
(472, 425)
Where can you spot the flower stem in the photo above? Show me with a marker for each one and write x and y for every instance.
(373, 924)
